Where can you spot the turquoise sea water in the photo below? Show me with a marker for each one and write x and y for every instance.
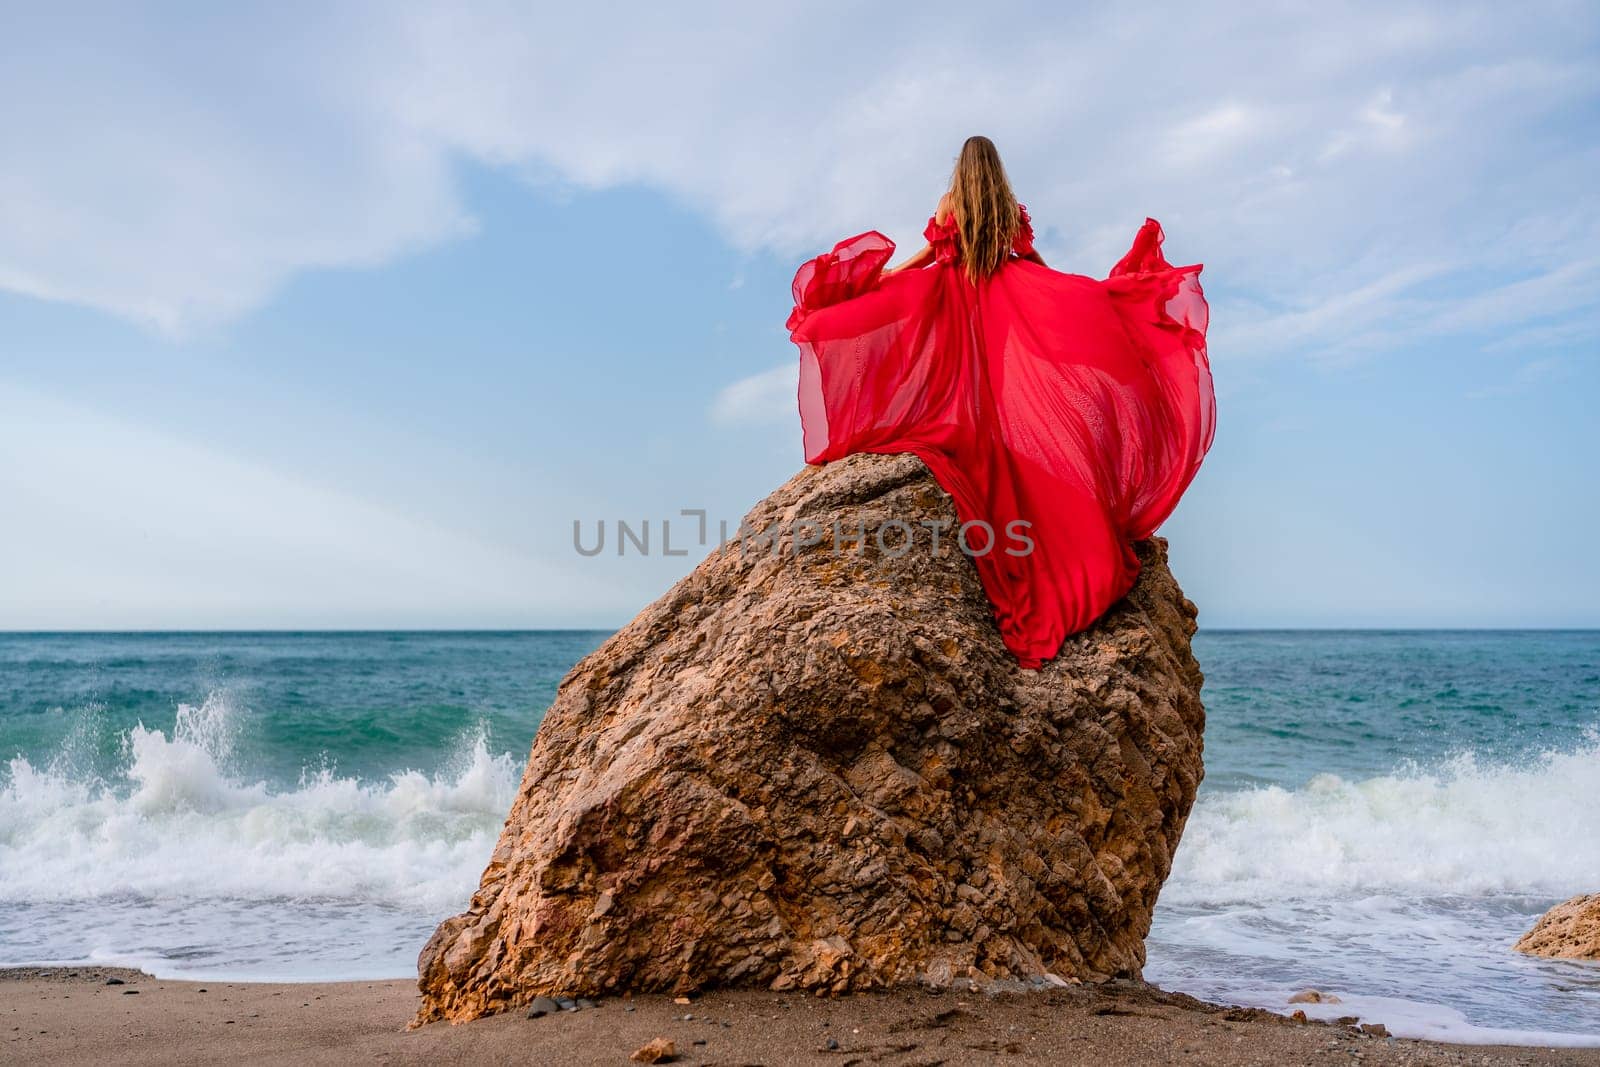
(1383, 813)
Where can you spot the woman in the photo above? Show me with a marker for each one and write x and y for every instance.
(1064, 415)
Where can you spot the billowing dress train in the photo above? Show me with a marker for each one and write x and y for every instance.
(1064, 414)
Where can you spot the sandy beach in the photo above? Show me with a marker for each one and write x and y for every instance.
(64, 1016)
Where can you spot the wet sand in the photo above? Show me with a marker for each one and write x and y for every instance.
(70, 1015)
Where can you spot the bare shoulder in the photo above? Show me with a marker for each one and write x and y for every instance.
(942, 213)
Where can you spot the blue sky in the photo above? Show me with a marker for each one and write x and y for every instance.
(341, 320)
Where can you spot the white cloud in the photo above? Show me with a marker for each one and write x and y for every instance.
(179, 174)
(178, 177)
(1347, 313)
(1215, 133)
(760, 398)
(1377, 125)
(1380, 113)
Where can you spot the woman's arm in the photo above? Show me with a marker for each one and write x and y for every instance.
(920, 258)
(924, 255)
(1033, 256)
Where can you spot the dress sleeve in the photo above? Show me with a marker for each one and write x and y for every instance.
(942, 238)
(851, 269)
(1023, 244)
(1145, 255)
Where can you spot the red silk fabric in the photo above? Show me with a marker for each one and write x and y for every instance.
(1079, 407)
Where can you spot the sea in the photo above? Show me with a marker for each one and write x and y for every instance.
(1383, 813)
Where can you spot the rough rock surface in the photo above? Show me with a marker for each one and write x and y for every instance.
(819, 769)
(1569, 931)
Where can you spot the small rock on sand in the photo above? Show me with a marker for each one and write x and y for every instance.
(661, 1050)
(542, 1006)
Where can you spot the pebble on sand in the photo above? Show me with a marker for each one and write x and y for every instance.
(661, 1050)
(542, 1006)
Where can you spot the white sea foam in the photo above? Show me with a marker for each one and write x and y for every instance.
(1402, 893)
(1414, 1019)
(190, 825)
(1466, 827)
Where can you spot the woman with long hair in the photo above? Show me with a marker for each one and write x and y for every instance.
(1065, 415)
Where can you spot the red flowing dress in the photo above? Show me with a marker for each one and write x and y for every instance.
(1077, 408)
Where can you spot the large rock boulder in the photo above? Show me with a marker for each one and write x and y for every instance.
(1569, 931)
(818, 768)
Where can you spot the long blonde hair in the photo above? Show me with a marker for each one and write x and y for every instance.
(984, 207)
